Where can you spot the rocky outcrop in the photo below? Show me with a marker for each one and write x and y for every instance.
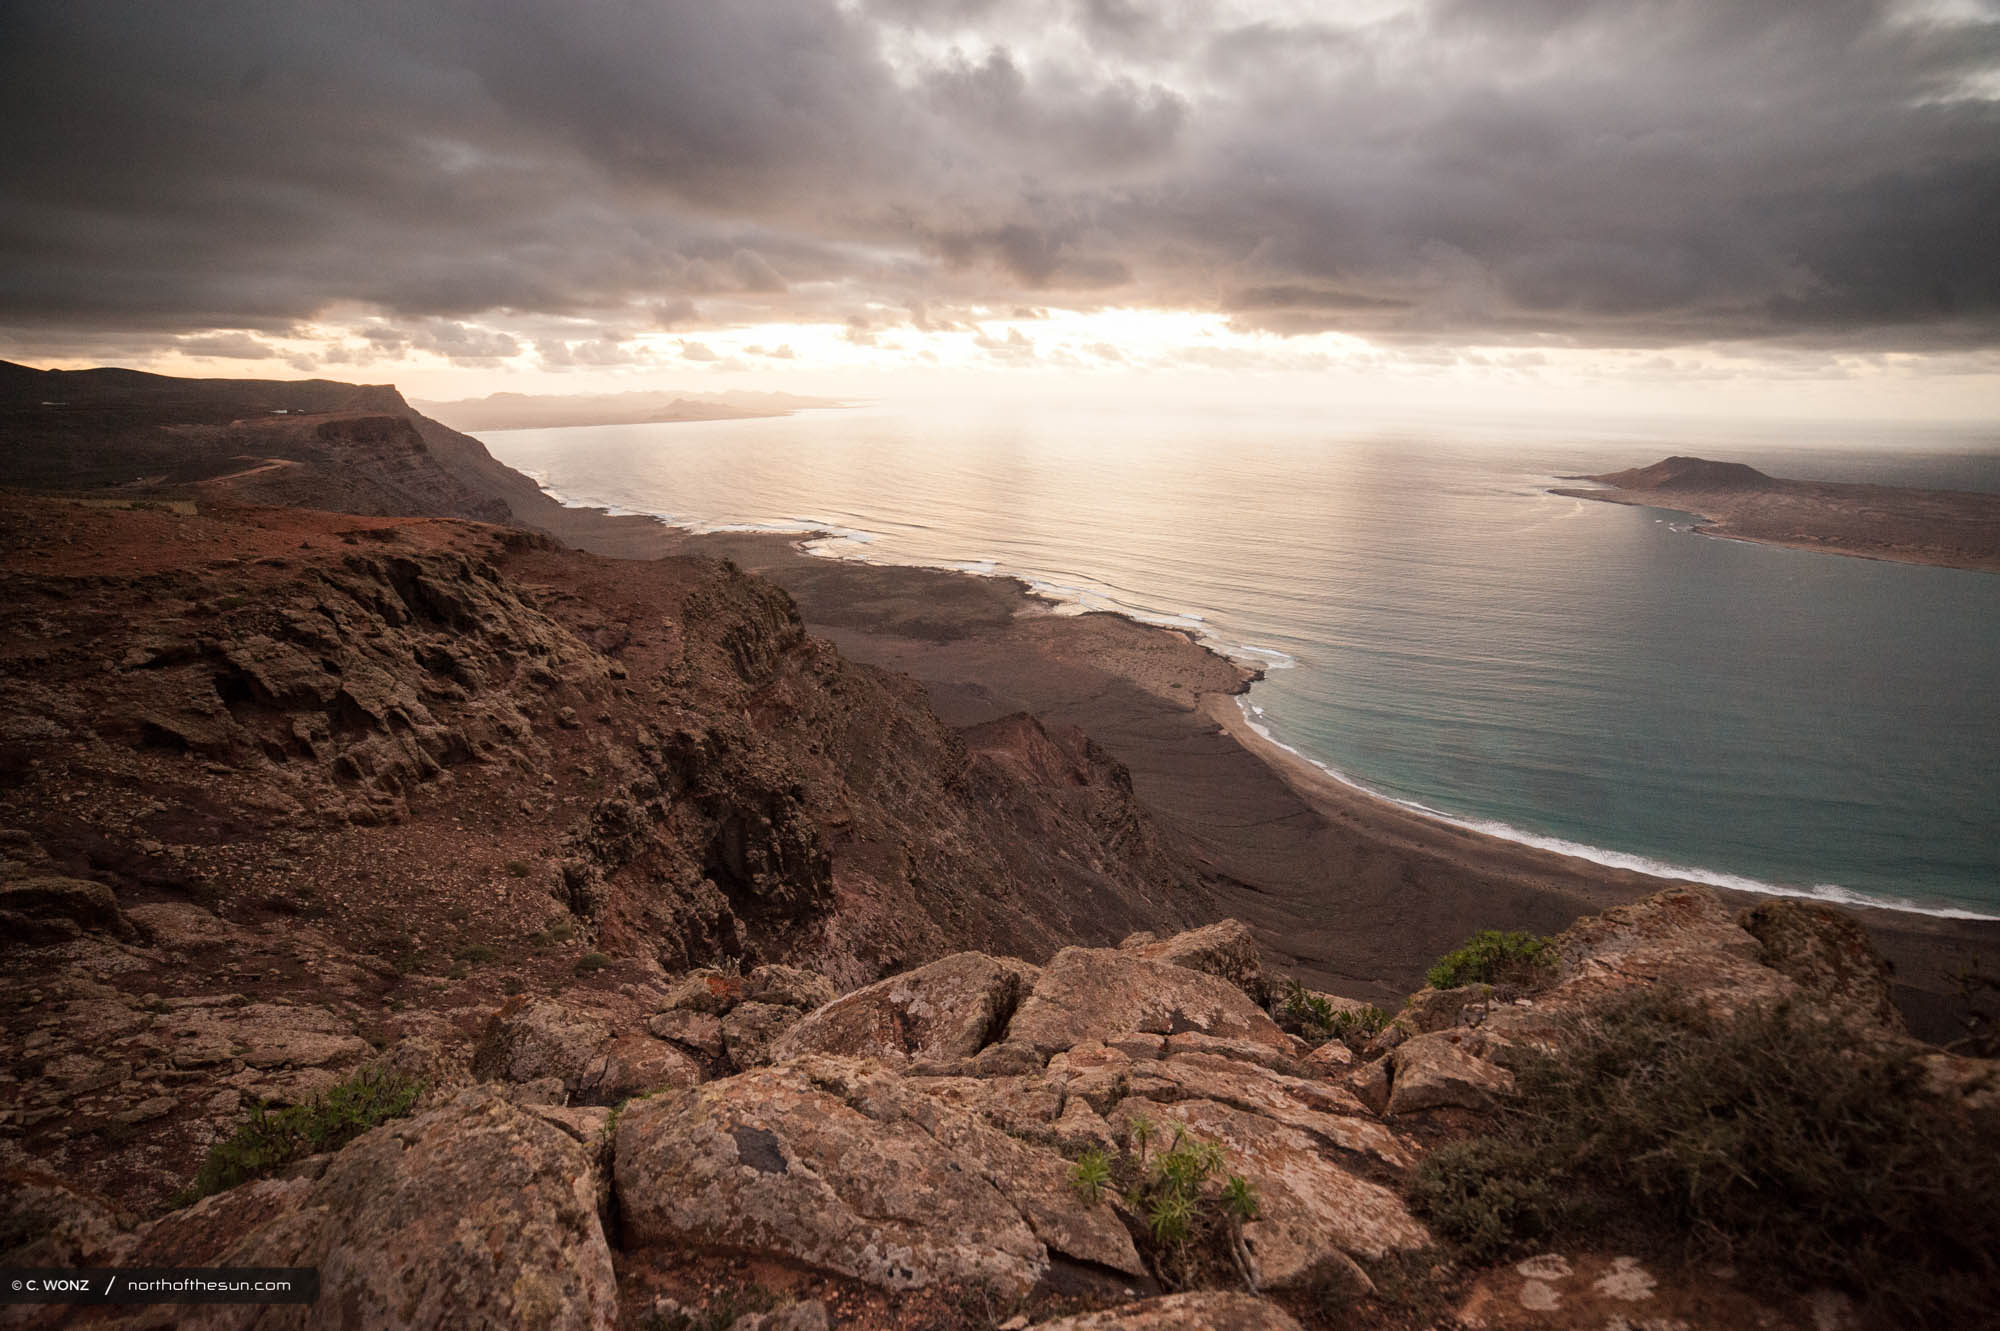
(918, 1134)
(1086, 994)
(912, 1133)
(1224, 949)
(840, 1165)
(1826, 954)
(950, 1009)
(578, 1049)
(476, 1214)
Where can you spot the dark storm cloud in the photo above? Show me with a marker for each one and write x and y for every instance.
(1623, 171)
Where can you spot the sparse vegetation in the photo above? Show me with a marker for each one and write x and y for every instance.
(1771, 1138)
(271, 1139)
(1312, 1018)
(477, 954)
(1188, 1215)
(1492, 956)
(1305, 1014)
(591, 962)
(517, 868)
(1090, 1176)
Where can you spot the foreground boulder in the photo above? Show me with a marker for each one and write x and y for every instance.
(1435, 1072)
(1224, 949)
(1086, 994)
(842, 1165)
(477, 1214)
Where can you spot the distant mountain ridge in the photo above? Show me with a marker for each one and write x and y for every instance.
(529, 411)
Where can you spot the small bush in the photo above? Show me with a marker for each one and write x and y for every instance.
(591, 962)
(269, 1140)
(1359, 1023)
(478, 954)
(1187, 1217)
(1493, 957)
(518, 868)
(1090, 1176)
(1313, 1019)
(1305, 1013)
(1770, 1138)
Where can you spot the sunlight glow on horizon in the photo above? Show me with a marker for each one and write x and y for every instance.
(1104, 355)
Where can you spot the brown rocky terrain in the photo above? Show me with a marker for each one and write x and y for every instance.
(733, 982)
(409, 766)
(1951, 528)
(901, 1155)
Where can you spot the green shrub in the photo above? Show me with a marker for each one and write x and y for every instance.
(1770, 1138)
(478, 954)
(1187, 1216)
(1493, 957)
(1090, 1176)
(591, 962)
(517, 868)
(1315, 1020)
(269, 1140)
(1305, 1013)
(1359, 1023)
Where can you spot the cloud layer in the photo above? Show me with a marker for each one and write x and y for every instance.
(1618, 173)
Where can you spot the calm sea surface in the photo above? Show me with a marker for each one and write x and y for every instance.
(1437, 627)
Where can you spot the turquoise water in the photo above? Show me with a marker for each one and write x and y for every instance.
(1436, 626)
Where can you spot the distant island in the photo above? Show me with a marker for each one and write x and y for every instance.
(1947, 528)
(532, 411)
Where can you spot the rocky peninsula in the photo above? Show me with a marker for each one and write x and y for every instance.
(1946, 528)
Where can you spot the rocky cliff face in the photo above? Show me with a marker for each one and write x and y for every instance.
(395, 770)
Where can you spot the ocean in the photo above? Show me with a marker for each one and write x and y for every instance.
(1435, 626)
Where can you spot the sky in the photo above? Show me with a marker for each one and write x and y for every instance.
(1765, 206)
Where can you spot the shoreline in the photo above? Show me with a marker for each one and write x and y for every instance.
(1247, 730)
(1254, 735)
(1351, 890)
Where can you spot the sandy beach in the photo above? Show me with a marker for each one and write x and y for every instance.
(1350, 892)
